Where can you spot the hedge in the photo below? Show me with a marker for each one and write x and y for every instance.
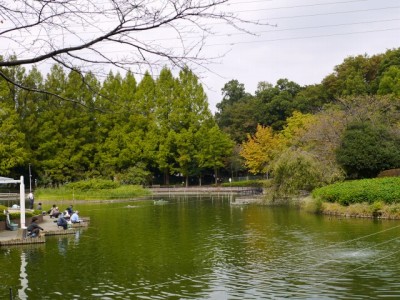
(386, 190)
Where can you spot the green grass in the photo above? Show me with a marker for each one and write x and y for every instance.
(385, 190)
(68, 193)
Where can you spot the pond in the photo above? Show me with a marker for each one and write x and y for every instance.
(206, 248)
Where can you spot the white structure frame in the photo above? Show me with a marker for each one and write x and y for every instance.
(5, 180)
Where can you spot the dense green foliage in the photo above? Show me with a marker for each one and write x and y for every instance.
(360, 191)
(366, 150)
(92, 184)
(157, 130)
(296, 171)
(17, 215)
(128, 131)
(354, 132)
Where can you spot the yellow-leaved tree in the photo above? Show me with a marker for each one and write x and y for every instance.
(260, 149)
(296, 127)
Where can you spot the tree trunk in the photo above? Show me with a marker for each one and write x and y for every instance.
(166, 177)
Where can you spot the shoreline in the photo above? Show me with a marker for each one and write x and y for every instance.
(364, 210)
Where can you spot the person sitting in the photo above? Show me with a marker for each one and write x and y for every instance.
(66, 215)
(70, 210)
(34, 229)
(75, 217)
(49, 211)
(62, 221)
(54, 212)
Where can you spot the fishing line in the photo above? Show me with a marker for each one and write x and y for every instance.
(191, 278)
(278, 260)
(352, 270)
(340, 243)
(336, 260)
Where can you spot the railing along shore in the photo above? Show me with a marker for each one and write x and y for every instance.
(205, 190)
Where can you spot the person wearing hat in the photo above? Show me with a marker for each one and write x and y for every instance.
(34, 229)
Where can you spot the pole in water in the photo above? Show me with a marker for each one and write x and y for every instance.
(11, 294)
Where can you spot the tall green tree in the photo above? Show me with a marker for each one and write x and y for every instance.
(281, 105)
(29, 110)
(367, 149)
(390, 82)
(190, 112)
(123, 136)
(236, 111)
(166, 122)
(50, 136)
(232, 92)
(355, 76)
(13, 152)
(214, 146)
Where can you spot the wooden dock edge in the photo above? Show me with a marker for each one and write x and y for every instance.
(36, 240)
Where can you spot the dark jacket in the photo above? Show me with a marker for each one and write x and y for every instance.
(33, 226)
(62, 222)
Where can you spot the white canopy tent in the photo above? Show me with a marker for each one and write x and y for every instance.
(5, 180)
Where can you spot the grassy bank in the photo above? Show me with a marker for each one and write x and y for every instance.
(378, 198)
(75, 193)
(385, 190)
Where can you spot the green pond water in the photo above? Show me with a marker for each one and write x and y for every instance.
(206, 248)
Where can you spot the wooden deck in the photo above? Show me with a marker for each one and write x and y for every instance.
(24, 241)
(18, 237)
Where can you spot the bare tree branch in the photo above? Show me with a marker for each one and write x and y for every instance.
(126, 20)
(26, 88)
(124, 34)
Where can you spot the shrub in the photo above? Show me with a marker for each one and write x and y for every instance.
(366, 149)
(295, 171)
(389, 173)
(137, 175)
(358, 191)
(93, 184)
(17, 215)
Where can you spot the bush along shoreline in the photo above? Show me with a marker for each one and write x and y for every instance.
(366, 198)
(89, 190)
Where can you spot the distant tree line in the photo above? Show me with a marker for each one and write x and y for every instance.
(347, 126)
(134, 132)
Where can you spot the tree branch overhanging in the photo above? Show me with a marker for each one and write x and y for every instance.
(125, 20)
(115, 33)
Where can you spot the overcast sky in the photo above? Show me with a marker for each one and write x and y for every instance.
(310, 38)
(303, 41)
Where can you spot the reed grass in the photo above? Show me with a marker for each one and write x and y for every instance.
(377, 209)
